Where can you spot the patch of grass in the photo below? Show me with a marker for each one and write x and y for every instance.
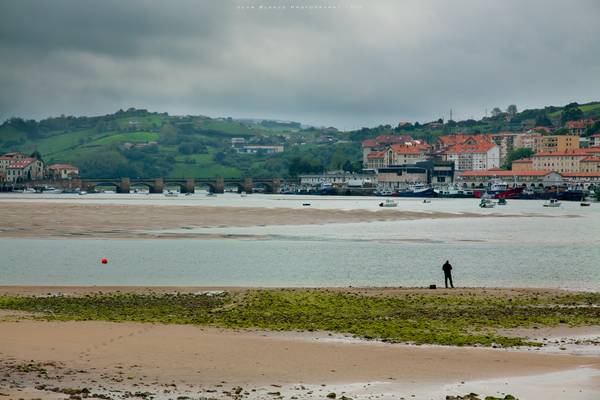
(133, 137)
(420, 318)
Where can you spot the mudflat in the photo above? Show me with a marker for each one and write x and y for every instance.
(47, 219)
(186, 360)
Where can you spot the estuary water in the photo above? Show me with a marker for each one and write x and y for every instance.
(522, 245)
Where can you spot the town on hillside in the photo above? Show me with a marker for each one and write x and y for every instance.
(555, 159)
(538, 163)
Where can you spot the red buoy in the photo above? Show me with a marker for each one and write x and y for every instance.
(104, 261)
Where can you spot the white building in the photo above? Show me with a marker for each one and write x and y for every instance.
(337, 178)
(26, 169)
(473, 156)
(252, 149)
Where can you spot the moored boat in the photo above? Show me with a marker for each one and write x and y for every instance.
(417, 190)
(486, 203)
(552, 203)
(454, 192)
(388, 203)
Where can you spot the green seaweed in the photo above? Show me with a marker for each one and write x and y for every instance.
(461, 319)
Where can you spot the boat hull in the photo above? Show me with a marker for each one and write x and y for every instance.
(429, 192)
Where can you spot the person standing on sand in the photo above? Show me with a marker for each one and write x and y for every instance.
(447, 268)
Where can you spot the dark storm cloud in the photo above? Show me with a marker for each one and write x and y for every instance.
(386, 61)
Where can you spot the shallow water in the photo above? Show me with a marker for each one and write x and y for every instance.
(534, 247)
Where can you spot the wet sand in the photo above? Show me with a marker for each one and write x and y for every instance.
(46, 219)
(191, 360)
(204, 362)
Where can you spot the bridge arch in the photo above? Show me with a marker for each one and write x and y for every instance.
(263, 187)
(98, 186)
(205, 186)
(235, 187)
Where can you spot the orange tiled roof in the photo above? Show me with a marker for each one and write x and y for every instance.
(482, 147)
(376, 154)
(21, 163)
(62, 166)
(369, 143)
(581, 124)
(591, 159)
(498, 172)
(523, 161)
(450, 140)
(391, 139)
(407, 149)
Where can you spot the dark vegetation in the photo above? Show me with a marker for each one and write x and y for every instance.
(465, 318)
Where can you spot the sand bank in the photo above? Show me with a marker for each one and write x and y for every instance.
(189, 360)
(47, 219)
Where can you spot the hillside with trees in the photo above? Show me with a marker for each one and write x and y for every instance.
(139, 143)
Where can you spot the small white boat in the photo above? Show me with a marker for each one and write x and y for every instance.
(29, 190)
(552, 203)
(243, 194)
(171, 193)
(426, 201)
(388, 203)
(211, 194)
(486, 203)
(82, 193)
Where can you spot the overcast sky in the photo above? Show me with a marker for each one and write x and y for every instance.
(355, 63)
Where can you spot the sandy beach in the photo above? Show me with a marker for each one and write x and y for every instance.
(175, 361)
(66, 220)
(189, 361)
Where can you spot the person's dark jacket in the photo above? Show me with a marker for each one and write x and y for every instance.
(447, 268)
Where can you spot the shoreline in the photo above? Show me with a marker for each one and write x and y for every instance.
(27, 290)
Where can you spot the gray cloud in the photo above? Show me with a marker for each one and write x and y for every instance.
(387, 61)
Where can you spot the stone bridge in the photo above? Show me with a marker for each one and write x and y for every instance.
(215, 185)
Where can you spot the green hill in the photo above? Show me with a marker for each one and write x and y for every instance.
(139, 143)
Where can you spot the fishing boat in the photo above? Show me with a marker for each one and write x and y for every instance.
(486, 203)
(388, 203)
(426, 201)
(416, 190)
(501, 202)
(499, 190)
(585, 204)
(552, 203)
(454, 192)
(383, 192)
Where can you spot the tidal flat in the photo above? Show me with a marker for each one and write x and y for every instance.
(467, 317)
